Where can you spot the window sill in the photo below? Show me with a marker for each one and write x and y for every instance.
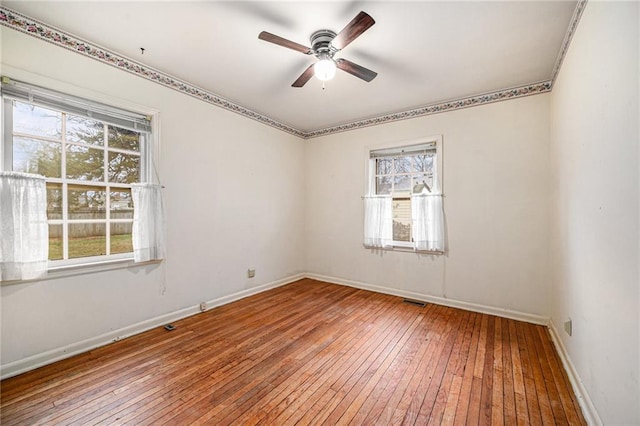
(63, 271)
(405, 249)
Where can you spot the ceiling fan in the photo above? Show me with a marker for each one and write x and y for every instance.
(324, 45)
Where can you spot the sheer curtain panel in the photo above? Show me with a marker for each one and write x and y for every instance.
(427, 228)
(378, 221)
(24, 233)
(148, 222)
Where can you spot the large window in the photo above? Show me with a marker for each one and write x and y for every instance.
(403, 172)
(90, 155)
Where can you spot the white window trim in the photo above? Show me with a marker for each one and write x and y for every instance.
(370, 184)
(58, 272)
(86, 265)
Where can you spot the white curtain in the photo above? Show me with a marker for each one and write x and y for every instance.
(24, 233)
(148, 222)
(427, 228)
(378, 221)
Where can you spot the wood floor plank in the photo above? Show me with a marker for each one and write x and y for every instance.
(533, 406)
(497, 397)
(473, 414)
(522, 414)
(462, 409)
(434, 402)
(560, 380)
(549, 383)
(546, 413)
(453, 397)
(308, 353)
(509, 396)
(486, 394)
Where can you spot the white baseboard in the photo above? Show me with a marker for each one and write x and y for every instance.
(588, 409)
(505, 313)
(30, 363)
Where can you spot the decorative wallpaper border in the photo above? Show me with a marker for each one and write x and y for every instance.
(22, 23)
(577, 14)
(27, 25)
(516, 92)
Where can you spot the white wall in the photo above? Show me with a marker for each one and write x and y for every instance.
(595, 189)
(232, 198)
(496, 208)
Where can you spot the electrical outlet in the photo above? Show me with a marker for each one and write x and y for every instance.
(203, 306)
(251, 272)
(568, 325)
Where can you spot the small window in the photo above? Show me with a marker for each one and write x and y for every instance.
(90, 155)
(400, 172)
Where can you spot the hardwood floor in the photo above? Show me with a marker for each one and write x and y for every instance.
(308, 353)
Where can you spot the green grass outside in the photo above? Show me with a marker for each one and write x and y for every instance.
(90, 246)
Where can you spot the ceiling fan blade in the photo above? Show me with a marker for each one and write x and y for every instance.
(355, 69)
(272, 38)
(306, 76)
(361, 23)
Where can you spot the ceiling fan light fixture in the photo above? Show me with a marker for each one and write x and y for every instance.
(325, 69)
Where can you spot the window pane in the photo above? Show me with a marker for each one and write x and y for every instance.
(121, 238)
(55, 242)
(34, 156)
(401, 183)
(422, 183)
(383, 166)
(54, 201)
(87, 239)
(121, 204)
(124, 139)
(85, 163)
(402, 164)
(124, 168)
(86, 202)
(422, 163)
(81, 129)
(402, 219)
(36, 121)
(383, 185)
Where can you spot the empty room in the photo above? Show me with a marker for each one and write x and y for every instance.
(299, 212)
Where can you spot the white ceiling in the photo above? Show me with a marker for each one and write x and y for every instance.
(424, 52)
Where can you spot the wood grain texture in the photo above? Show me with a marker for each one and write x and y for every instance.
(361, 23)
(308, 353)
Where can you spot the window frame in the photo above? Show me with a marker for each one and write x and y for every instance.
(148, 153)
(370, 175)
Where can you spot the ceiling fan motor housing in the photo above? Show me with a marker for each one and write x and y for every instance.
(321, 42)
